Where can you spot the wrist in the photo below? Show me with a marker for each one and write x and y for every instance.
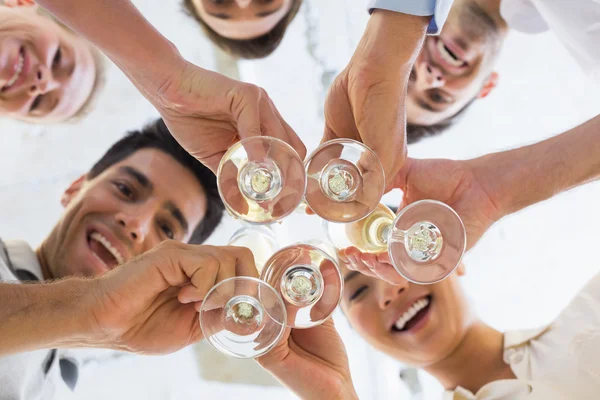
(391, 42)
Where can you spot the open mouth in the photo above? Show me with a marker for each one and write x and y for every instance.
(18, 68)
(411, 317)
(449, 56)
(104, 250)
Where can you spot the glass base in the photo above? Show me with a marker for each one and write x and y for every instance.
(243, 317)
(309, 282)
(428, 241)
(345, 180)
(261, 180)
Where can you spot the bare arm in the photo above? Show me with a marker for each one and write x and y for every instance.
(118, 29)
(204, 110)
(36, 316)
(148, 305)
(521, 177)
(367, 100)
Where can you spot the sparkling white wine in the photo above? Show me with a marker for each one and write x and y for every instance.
(369, 235)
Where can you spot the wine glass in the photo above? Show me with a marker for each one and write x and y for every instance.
(345, 180)
(308, 280)
(425, 241)
(259, 239)
(261, 180)
(244, 317)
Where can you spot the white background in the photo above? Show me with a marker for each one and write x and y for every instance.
(519, 276)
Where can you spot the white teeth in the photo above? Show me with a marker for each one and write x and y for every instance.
(447, 56)
(411, 312)
(18, 69)
(104, 241)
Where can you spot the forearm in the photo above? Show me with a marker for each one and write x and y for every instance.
(521, 177)
(37, 316)
(118, 29)
(390, 44)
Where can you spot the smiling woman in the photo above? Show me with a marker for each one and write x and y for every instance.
(47, 73)
(244, 28)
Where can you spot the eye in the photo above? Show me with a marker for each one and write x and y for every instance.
(221, 2)
(167, 230)
(125, 190)
(36, 103)
(57, 58)
(438, 97)
(358, 292)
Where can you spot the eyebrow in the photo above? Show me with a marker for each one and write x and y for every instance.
(138, 176)
(177, 214)
(267, 13)
(350, 276)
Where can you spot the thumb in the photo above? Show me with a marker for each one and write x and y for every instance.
(400, 180)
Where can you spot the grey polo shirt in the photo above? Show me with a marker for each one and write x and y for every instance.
(33, 375)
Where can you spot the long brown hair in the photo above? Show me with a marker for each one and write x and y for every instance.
(259, 47)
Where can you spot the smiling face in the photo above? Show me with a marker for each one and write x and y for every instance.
(242, 19)
(416, 324)
(128, 209)
(456, 66)
(46, 73)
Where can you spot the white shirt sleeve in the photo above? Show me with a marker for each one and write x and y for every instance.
(437, 9)
(576, 23)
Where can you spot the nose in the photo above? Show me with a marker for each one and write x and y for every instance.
(243, 3)
(389, 292)
(43, 81)
(429, 76)
(135, 227)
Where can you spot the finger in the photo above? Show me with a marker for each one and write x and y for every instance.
(356, 264)
(248, 118)
(230, 189)
(401, 179)
(382, 270)
(202, 279)
(292, 138)
(244, 261)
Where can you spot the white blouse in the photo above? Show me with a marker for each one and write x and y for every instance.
(559, 361)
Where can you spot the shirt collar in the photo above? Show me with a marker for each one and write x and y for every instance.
(519, 338)
(23, 257)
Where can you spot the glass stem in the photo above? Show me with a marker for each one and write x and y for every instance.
(302, 285)
(396, 236)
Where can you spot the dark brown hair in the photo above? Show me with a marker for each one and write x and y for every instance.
(415, 133)
(156, 135)
(259, 47)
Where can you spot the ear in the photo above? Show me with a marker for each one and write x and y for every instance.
(460, 270)
(21, 3)
(72, 191)
(489, 85)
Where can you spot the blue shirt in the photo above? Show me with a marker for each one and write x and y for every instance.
(437, 9)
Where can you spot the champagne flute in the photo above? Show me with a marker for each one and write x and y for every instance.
(425, 241)
(345, 180)
(261, 180)
(244, 317)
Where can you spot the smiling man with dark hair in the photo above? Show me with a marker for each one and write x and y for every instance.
(143, 191)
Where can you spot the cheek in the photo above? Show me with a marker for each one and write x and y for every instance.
(364, 321)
